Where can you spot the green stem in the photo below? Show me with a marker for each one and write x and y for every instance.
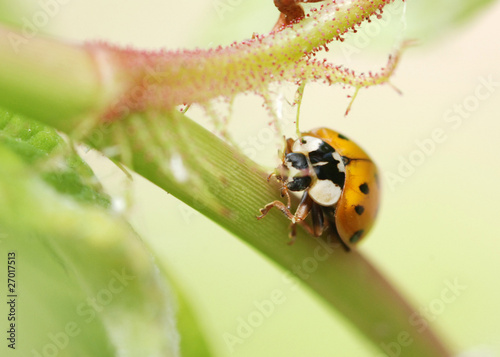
(51, 80)
(230, 189)
(166, 79)
(100, 79)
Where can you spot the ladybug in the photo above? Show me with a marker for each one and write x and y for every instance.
(339, 182)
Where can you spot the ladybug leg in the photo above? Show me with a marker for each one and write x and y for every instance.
(306, 207)
(292, 234)
(317, 220)
(299, 217)
(303, 209)
(333, 235)
(279, 205)
(293, 230)
(284, 192)
(279, 177)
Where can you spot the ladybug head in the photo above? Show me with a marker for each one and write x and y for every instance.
(310, 163)
(299, 174)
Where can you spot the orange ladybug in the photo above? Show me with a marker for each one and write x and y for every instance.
(339, 182)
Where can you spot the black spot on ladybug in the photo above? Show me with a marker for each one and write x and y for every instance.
(343, 137)
(359, 209)
(364, 188)
(356, 236)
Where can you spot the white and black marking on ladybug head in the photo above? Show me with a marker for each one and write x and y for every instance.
(325, 192)
(298, 178)
(329, 170)
(340, 165)
(296, 160)
(315, 165)
(307, 144)
(298, 183)
(319, 152)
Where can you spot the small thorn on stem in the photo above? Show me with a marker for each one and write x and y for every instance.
(352, 100)
(395, 88)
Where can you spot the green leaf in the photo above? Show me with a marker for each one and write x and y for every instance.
(58, 163)
(86, 284)
(428, 20)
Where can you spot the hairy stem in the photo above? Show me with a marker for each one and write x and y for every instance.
(100, 79)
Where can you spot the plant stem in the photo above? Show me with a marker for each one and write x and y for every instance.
(103, 80)
(230, 189)
(166, 79)
(48, 79)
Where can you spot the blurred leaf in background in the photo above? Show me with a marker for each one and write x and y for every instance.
(84, 283)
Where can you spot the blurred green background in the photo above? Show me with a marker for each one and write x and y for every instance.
(436, 145)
